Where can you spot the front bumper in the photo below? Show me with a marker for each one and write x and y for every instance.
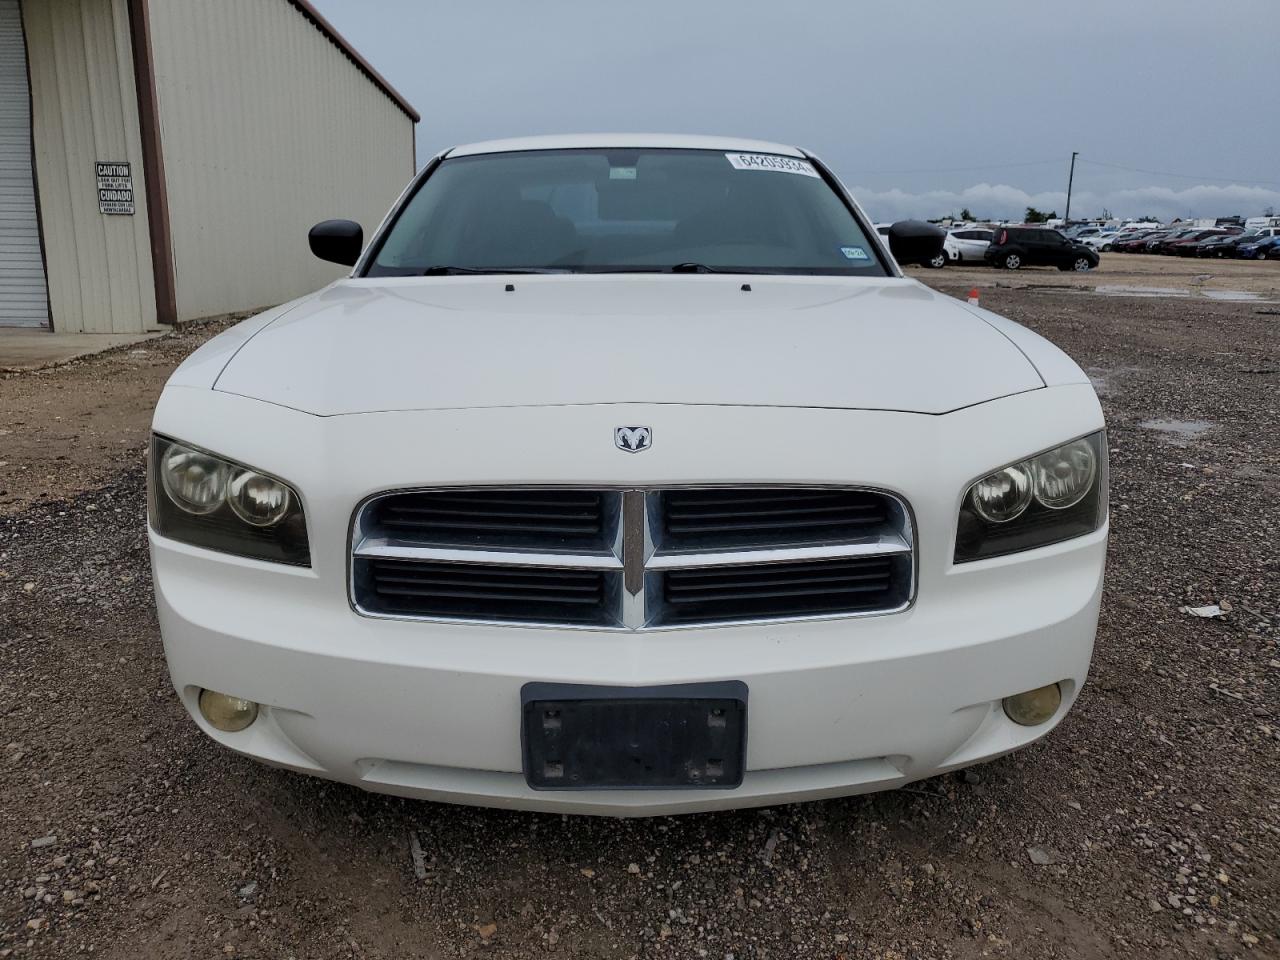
(837, 706)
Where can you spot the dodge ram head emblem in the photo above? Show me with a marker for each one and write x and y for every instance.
(633, 439)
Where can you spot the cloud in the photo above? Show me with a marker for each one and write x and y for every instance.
(1001, 201)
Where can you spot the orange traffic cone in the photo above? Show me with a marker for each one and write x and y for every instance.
(973, 296)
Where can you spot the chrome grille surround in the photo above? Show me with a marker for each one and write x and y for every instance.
(632, 556)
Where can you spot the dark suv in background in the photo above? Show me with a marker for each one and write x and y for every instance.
(1016, 247)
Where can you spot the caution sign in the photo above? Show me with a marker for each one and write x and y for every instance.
(115, 188)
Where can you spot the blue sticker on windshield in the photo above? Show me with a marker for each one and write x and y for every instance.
(855, 253)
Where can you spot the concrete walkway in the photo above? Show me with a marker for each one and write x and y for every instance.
(33, 349)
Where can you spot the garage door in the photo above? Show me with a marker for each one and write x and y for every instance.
(24, 298)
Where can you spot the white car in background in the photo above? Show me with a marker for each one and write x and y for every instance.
(627, 475)
(1079, 233)
(969, 244)
(1100, 241)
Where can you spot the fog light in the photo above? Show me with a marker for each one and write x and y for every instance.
(1034, 707)
(227, 713)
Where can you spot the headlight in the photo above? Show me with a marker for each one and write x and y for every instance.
(257, 499)
(1064, 475)
(1003, 495)
(206, 500)
(1050, 497)
(194, 480)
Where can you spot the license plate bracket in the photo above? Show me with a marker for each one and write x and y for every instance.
(672, 737)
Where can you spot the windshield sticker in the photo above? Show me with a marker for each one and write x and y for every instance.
(855, 253)
(767, 161)
(622, 173)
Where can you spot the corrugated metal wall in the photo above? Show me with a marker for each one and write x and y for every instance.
(86, 110)
(267, 128)
(23, 299)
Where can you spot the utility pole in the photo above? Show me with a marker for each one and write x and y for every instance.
(1066, 220)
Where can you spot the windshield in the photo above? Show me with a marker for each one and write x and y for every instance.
(610, 210)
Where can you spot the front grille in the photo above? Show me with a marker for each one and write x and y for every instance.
(638, 559)
(473, 591)
(549, 519)
(707, 519)
(809, 588)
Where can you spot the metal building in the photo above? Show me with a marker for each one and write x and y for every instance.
(162, 160)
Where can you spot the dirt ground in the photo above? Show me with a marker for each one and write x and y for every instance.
(1147, 825)
(70, 428)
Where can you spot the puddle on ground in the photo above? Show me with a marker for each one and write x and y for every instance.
(1231, 295)
(1175, 293)
(1119, 290)
(1180, 432)
(1103, 378)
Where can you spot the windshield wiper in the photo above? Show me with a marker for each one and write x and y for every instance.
(442, 270)
(691, 267)
(445, 271)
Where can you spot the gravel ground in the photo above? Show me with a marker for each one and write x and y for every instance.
(1147, 825)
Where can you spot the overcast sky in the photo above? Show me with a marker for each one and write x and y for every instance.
(921, 108)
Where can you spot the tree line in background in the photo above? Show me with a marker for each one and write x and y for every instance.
(1032, 215)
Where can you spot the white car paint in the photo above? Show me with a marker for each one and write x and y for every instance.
(968, 244)
(792, 331)
(382, 384)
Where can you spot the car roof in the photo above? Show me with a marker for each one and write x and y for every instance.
(669, 141)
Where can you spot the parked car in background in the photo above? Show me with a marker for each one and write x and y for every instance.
(1222, 245)
(1140, 245)
(1170, 245)
(1153, 244)
(1229, 246)
(1137, 242)
(1186, 247)
(1261, 223)
(1266, 248)
(1079, 232)
(969, 245)
(1017, 247)
(1101, 241)
(936, 261)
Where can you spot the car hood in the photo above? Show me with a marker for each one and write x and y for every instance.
(365, 345)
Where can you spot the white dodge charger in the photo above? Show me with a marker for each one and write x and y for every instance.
(627, 475)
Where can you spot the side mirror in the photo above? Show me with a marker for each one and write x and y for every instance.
(914, 241)
(338, 241)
